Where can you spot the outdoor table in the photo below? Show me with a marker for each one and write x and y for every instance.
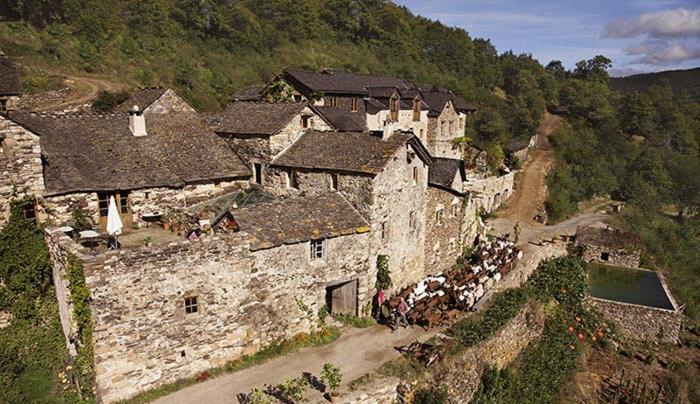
(67, 230)
(89, 236)
(151, 217)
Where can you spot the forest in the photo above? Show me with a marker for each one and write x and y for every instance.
(641, 147)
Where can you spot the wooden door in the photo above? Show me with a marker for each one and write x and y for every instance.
(123, 205)
(344, 298)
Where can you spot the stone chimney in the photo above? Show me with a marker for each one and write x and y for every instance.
(388, 129)
(137, 122)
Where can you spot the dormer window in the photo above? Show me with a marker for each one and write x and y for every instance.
(394, 108)
(305, 122)
(416, 109)
(334, 102)
(353, 104)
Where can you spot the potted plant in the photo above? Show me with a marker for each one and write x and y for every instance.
(331, 377)
(148, 241)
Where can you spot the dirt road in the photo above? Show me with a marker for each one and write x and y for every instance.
(530, 193)
(83, 90)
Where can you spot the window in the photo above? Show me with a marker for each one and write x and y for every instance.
(334, 102)
(29, 211)
(257, 173)
(120, 198)
(461, 123)
(317, 250)
(191, 306)
(439, 214)
(416, 109)
(451, 127)
(353, 104)
(443, 128)
(305, 122)
(334, 182)
(415, 175)
(455, 210)
(384, 231)
(293, 179)
(421, 134)
(3, 105)
(412, 224)
(394, 108)
(605, 256)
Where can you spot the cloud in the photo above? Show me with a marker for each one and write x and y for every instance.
(676, 23)
(660, 53)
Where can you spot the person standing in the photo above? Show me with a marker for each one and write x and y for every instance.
(516, 231)
(380, 302)
(401, 311)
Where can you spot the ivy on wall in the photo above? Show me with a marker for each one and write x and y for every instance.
(80, 298)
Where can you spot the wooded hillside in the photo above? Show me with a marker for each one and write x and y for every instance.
(679, 80)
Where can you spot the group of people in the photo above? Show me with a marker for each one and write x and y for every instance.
(395, 317)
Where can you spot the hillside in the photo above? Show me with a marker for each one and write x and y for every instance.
(680, 80)
(207, 50)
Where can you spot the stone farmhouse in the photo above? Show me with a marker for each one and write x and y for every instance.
(10, 85)
(163, 158)
(277, 209)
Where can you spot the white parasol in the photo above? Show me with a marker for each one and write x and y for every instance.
(114, 220)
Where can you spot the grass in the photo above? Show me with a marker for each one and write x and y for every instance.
(274, 350)
(355, 321)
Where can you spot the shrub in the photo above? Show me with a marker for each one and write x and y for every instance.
(383, 274)
(331, 376)
(106, 101)
(355, 321)
(431, 395)
(80, 221)
(562, 279)
(293, 390)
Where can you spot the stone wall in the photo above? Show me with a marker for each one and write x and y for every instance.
(640, 322)
(442, 130)
(443, 241)
(615, 256)
(461, 374)
(395, 196)
(21, 171)
(142, 336)
(489, 193)
(378, 119)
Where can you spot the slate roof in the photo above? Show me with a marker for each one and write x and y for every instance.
(143, 97)
(604, 237)
(9, 77)
(91, 152)
(442, 172)
(250, 93)
(338, 82)
(436, 101)
(299, 219)
(255, 118)
(342, 119)
(346, 151)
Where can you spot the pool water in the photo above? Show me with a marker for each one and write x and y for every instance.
(628, 286)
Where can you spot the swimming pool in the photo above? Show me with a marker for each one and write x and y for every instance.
(628, 286)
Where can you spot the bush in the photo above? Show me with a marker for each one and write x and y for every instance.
(331, 376)
(106, 101)
(562, 279)
(431, 395)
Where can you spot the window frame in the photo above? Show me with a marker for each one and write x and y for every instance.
(317, 249)
(384, 230)
(439, 216)
(353, 104)
(306, 121)
(412, 220)
(257, 172)
(191, 304)
(119, 197)
(394, 108)
(415, 175)
(334, 181)
(416, 109)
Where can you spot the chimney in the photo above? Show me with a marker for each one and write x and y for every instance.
(388, 129)
(137, 122)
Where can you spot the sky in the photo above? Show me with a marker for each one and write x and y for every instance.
(637, 35)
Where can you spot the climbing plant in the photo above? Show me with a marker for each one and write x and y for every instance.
(80, 298)
(383, 274)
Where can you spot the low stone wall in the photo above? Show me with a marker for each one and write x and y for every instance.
(640, 322)
(533, 254)
(491, 192)
(461, 374)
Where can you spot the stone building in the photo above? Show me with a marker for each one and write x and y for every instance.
(259, 131)
(150, 162)
(451, 219)
(10, 85)
(447, 121)
(170, 311)
(155, 100)
(520, 149)
(384, 179)
(601, 243)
